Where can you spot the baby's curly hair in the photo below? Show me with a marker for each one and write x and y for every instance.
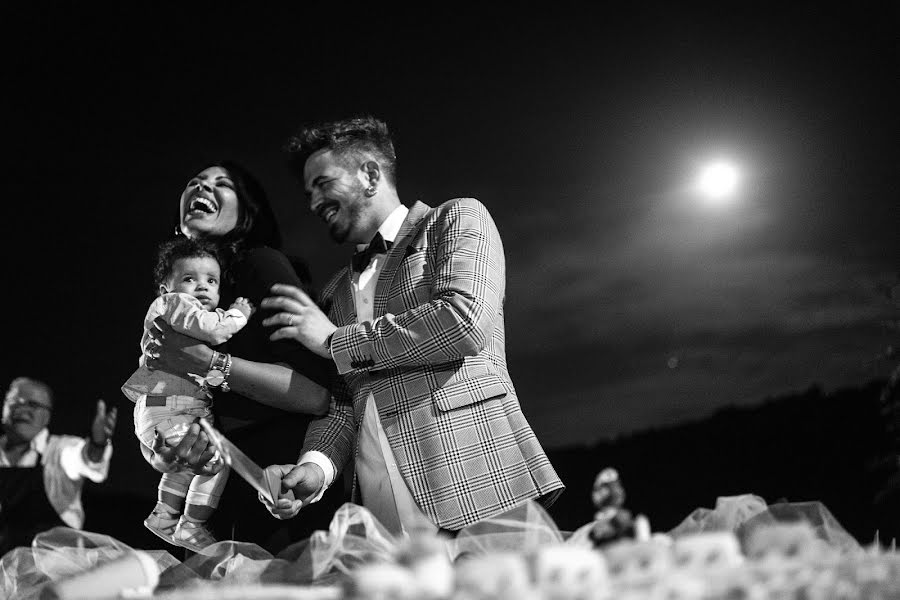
(182, 247)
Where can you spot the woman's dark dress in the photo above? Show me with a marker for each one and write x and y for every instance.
(267, 435)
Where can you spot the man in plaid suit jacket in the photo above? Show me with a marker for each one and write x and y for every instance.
(416, 331)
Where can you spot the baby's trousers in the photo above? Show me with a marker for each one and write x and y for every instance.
(171, 416)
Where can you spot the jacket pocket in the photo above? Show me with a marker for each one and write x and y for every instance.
(469, 391)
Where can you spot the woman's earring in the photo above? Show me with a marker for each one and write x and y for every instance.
(370, 191)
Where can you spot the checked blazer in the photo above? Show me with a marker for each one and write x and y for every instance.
(434, 360)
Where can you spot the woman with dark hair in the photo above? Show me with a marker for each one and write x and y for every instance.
(270, 390)
(255, 225)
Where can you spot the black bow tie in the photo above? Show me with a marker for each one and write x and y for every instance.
(362, 258)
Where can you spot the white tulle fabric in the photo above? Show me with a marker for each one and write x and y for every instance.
(61, 553)
(318, 565)
(745, 513)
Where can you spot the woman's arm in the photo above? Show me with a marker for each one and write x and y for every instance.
(279, 386)
(275, 385)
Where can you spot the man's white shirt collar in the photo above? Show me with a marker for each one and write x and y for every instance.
(38, 444)
(391, 226)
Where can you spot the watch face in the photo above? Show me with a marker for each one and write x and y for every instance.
(215, 378)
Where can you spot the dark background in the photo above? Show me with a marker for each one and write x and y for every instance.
(632, 305)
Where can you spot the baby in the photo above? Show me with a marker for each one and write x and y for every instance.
(188, 275)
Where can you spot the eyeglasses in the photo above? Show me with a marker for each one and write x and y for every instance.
(20, 401)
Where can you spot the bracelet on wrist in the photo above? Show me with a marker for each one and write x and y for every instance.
(225, 386)
(218, 361)
(219, 370)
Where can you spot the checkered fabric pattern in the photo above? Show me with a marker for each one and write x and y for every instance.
(434, 359)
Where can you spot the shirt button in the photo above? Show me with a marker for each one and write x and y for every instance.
(365, 300)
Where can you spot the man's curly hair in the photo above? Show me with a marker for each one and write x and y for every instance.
(182, 247)
(348, 139)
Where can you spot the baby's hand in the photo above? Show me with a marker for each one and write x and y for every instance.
(243, 305)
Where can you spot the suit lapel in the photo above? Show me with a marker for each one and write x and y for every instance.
(397, 253)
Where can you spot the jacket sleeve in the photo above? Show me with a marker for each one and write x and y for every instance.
(467, 292)
(334, 434)
(186, 315)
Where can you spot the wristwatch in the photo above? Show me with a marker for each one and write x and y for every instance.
(219, 369)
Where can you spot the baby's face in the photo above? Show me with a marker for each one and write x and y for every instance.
(199, 277)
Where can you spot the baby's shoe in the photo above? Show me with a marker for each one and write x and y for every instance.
(162, 522)
(192, 535)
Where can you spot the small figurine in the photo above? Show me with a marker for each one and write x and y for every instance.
(613, 521)
(608, 490)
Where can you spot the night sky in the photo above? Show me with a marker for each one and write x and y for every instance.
(631, 301)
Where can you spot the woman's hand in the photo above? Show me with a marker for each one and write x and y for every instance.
(193, 452)
(175, 352)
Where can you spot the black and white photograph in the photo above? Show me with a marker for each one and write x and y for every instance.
(451, 301)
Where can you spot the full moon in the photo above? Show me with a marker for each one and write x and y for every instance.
(718, 181)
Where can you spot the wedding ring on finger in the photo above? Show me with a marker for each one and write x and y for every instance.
(290, 320)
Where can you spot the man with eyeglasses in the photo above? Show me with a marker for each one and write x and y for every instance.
(41, 475)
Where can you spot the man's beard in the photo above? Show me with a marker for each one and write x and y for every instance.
(357, 202)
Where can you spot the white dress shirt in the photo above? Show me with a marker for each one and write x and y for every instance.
(65, 467)
(383, 490)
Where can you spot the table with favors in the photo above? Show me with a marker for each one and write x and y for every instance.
(741, 548)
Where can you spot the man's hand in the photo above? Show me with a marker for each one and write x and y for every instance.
(300, 318)
(175, 352)
(299, 485)
(104, 424)
(101, 431)
(193, 453)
